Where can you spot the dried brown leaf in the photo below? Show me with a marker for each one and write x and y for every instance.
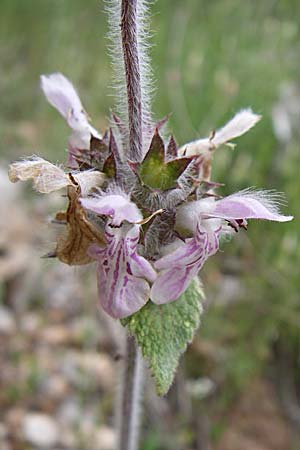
(46, 176)
(73, 244)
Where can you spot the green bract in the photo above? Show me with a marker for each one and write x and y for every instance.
(158, 170)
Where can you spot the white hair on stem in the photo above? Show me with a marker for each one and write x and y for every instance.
(113, 8)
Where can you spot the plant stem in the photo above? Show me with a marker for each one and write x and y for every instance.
(129, 411)
(133, 77)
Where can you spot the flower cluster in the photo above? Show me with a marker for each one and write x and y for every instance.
(149, 225)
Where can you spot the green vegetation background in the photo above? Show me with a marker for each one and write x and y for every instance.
(210, 58)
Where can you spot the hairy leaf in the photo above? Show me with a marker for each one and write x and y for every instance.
(163, 332)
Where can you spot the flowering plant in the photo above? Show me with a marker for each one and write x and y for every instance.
(143, 208)
(149, 224)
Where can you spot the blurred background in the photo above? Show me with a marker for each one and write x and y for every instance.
(238, 386)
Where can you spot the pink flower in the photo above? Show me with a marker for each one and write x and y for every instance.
(177, 269)
(61, 94)
(250, 204)
(123, 275)
(206, 220)
(242, 122)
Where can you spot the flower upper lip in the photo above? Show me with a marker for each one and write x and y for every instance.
(61, 94)
(118, 207)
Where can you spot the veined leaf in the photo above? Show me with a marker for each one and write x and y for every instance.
(164, 331)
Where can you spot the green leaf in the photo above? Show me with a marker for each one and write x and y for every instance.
(163, 332)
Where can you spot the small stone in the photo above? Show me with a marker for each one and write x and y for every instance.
(99, 366)
(30, 324)
(7, 321)
(55, 387)
(14, 418)
(95, 437)
(56, 335)
(87, 329)
(40, 430)
(69, 412)
(48, 359)
(91, 368)
(105, 438)
(201, 387)
(69, 438)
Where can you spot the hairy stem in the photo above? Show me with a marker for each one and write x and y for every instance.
(129, 35)
(129, 411)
